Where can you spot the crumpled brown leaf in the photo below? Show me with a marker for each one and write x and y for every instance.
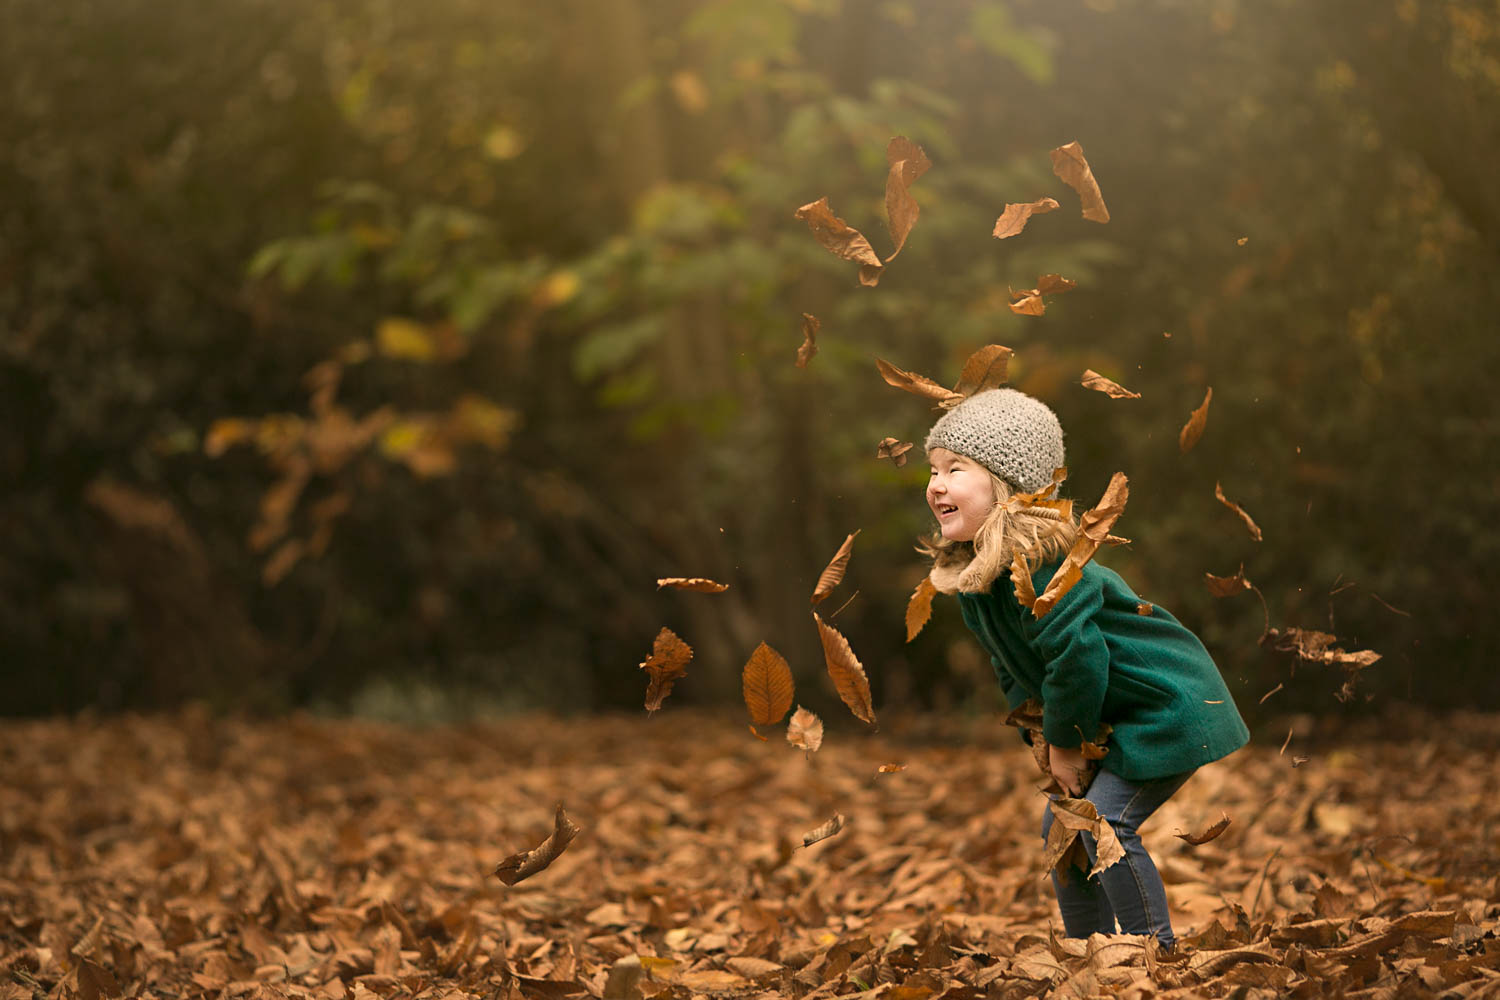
(1065, 849)
(918, 384)
(1208, 833)
(767, 685)
(908, 163)
(1028, 717)
(1015, 216)
(1028, 302)
(1093, 380)
(1193, 429)
(805, 730)
(1094, 531)
(833, 573)
(1068, 163)
(809, 348)
(986, 368)
(919, 607)
(1227, 586)
(1318, 647)
(841, 239)
(702, 585)
(1249, 521)
(668, 661)
(847, 672)
(825, 831)
(894, 450)
(525, 864)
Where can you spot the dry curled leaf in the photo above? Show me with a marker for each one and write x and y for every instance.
(890, 768)
(668, 661)
(833, 573)
(986, 368)
(1318, 647)
(893, 449)
(1029, 302)
(1020, 576)
(1068, 163)
(1094, 531)
(1064, 848)
(917, 384)
(1093, 380)
(700, 584)
(908, 163)
(1250, 524)
(846, 671)
(1193, 429)
(825, 831)
(804, 730)
(1208, 834)
(1227, 586)
(810, 328)
(919, 608)
(1015, 216)
(527, 863)
(841, 239)
(767, 685)
(1145, 608)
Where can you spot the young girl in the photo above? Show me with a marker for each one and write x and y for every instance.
(1094, 658)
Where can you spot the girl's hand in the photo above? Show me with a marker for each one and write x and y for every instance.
(1067, 766)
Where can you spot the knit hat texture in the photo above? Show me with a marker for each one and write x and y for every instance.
(1015, 436)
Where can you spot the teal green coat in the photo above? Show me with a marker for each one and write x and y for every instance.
(1095, 658)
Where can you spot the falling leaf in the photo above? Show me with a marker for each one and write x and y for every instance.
(1094, 531)
(917, 384)
(825, 831)
(804, 730)
(1069, 164)
(841, 239)
(697, 583)
(1093, 380)
(1145, 608)
(847, 673)
(1242, 241)
(890, 768)
(668, 661)
(767, 684)
(1193, 429)
(908, 163)
(986, 368)
(1249, 522)
(1015, 216)
(1318, 647)
(1227, 586)
(919, 608)
(527, 863)
(1028, 302)
(833, 573)
(810, 328)
(1065, 849)
(1209, 834)
(894, 450)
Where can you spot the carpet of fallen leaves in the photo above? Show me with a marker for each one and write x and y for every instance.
(190, 856)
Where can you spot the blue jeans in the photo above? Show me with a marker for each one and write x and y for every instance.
(1129, 890)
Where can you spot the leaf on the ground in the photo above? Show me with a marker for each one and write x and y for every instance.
(893, 449)
(1094, 529)
(1208, 833)
(804, 730)
(527, 863)
(833, 573)
(1029, 302)
(917, 384)
(700, 584)
(825, 831)
(767, 685)
(810, 328)
(1250, 524)
(846, 671)
(1193, 429)
(1065, 849)
(1015, 216)
(1068, 163)
(1227, 586)
(986, 368)
(908, 163)
(95, 981)
(919, 607)
(668, 661)
(1114, 390)
(841, 239)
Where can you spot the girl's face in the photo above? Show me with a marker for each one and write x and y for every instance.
(960, 494)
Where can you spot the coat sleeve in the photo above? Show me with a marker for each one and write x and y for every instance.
(1076, 660)
(1014, 693)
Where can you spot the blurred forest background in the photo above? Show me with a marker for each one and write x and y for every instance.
(379, 357)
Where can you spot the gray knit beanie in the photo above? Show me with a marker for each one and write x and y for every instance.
(1010, 433)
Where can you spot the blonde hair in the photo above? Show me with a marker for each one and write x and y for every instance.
(1039, 534)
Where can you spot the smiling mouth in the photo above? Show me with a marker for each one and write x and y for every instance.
(946, 508)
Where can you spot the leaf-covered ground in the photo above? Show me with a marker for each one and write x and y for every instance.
(185, 856)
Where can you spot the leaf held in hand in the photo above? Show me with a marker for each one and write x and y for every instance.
(767, 685)
(810, 328)
(1068, 163)
(527, 863)
(894, 450)
(917, 384)
(1208, 834)
(1193, 429)
(840, 239)
(804, 730)
(1249, 521)
(919, 608)
(697, 583)
(1015, 216)
(825, 831)
(908, 163)
(833, 573)
(1094, 531)
(668, 661)
(986, 368)
(846, 671)
(1227, 586)
(1093, 380)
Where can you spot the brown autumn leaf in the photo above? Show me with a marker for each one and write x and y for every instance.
(1065, 849)
(833, 573)
(95, 981)
(908, 163)
(1054, 284)
(1015, 216)
(697, 583)
(825, 831)
(917, 384)
(525, 864)
(1029, 302)
(668, 661)
(1249, 521)
(986, 368)
(767, 685)
(890, 768)
(810, 328)
(1145, 608)
(1227, 586)
(893, 449)
(1068, 163)
(919, 607)
(1020, 576)
(1094, 531)
(1093, 380)
(846, 671)
(1207, 834)
(841, 239)
(804, 730)
(1318, 647)
(1193, 429)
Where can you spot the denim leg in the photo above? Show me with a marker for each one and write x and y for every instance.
(1082, 900)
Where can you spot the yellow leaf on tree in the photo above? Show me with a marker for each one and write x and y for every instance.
(404, 340)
